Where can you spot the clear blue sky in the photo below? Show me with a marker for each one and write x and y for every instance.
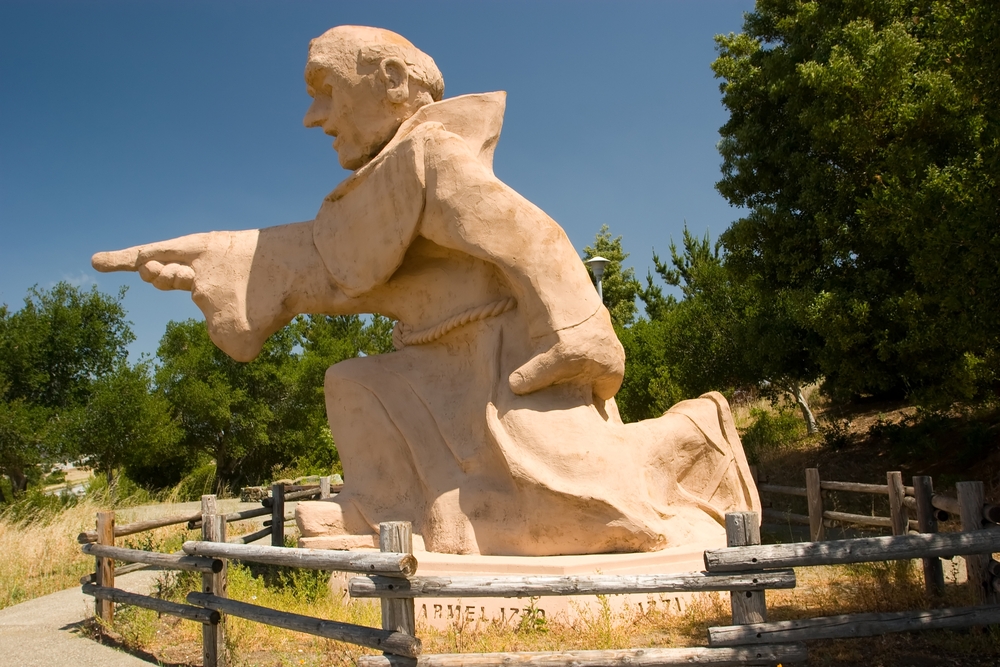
(129, 122)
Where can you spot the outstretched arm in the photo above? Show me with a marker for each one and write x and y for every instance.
(247, 283)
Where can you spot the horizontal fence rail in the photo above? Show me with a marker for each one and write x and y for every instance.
(303, 494)
(864, 519)
(635, 657)
(858, 550)
(785, 517)
(252, 537)
(382, 640)
(901, 498)
(840, 517)
(167, 561)
(399, 564)
(139, 527)
(233, 516)
(830, 485)
(188, 612)
(540, 586)
(784, 490)
(858, 487)
(852, 625)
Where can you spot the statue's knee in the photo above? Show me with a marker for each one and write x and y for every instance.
(340, 382)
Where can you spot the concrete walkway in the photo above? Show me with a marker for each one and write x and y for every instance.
(46, 631)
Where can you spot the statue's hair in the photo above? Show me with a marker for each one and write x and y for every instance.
(361, 44)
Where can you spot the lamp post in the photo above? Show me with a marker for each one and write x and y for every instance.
(597, 265)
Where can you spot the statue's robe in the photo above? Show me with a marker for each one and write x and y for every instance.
(483, 282)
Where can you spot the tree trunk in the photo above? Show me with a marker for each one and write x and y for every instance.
(18, 481)
(807, 414)
(222, 465)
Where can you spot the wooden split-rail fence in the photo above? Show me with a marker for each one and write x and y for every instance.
(912, 509)
(746, 569)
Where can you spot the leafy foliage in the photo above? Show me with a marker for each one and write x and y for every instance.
(863, 140)
(126, 424)
(53, 351)
(232, 412)
(770, 431)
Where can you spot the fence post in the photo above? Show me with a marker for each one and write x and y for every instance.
(743, 529)
(277, 515)
(105, 609)
(971, 498)
(324, 488)
(923, 491)
(213, 529)
(814, 496)
(897, 510)
(397, 615)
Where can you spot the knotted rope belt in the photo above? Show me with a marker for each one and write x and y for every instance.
(403, 334)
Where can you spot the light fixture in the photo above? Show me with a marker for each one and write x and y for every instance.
(597, 265)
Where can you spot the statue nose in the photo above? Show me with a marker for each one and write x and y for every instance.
(315, 116)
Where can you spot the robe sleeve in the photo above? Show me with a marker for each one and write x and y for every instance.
(259, 280)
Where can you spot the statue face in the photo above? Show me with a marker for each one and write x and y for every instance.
(353, 108)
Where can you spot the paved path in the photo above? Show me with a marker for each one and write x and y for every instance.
(45, 632)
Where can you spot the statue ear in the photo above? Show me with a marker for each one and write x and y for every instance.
(396, 77)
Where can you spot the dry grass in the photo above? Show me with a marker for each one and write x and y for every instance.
(41, 555)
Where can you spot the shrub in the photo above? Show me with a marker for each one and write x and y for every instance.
(769, 432)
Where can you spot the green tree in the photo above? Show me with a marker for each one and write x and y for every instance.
(231, 412)
(864, 142)
(734, 338)
(619, 285)
(707, 321)
(719, 336)
(124, 424)
(650, 385)
(52, 351)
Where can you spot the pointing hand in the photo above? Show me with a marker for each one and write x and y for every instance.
(168, 265)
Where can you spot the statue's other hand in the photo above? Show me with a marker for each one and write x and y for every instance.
(167, 265)
(588, 353)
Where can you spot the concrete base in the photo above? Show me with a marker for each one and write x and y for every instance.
(442, 613)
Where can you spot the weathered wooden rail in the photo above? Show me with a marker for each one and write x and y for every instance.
(745, 568)
(272, 506)
(919, 499)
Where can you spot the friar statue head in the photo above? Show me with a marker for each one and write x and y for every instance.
(364, 83)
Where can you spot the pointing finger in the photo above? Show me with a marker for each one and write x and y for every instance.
(181, 250)
(116, 260)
